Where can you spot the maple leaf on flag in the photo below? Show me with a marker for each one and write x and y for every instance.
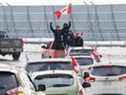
(65, 11)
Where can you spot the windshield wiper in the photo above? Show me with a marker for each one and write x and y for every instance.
(60, 85)
(2, 87)
(111, 74)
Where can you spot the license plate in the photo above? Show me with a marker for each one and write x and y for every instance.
(107, 83)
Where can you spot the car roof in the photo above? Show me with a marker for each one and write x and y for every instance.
(82, 56)
(35, 74)
(7, 68)
(51, 60)
(85, 47)
(106, 63)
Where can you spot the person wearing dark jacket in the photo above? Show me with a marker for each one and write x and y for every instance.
(58, 39)
(65, 32)
(76, 40)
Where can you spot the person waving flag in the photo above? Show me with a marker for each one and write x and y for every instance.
(65, 11)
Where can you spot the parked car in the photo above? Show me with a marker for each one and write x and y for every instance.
(58, 82)
(15, 82)
(107, 79)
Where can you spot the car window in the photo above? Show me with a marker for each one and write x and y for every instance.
(8, 81)
(80, 52)
(84, 61)
(42, 66)
(55, 80)
(108, 70)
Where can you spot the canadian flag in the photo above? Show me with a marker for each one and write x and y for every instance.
(96, 55)
(75, 64)
(65, 11)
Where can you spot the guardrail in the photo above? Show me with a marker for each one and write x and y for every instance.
(86, 43)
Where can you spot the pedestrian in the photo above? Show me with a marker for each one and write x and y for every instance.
(65, 32)
(58, 38)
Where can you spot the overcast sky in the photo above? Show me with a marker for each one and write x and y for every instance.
(59, 2)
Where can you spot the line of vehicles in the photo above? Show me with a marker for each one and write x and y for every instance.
(56, 74)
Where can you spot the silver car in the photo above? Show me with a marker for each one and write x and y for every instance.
(107, 79)
(58, 82)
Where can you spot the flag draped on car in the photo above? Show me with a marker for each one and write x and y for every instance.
(65, 11)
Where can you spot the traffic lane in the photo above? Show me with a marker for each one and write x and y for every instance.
(25, 56)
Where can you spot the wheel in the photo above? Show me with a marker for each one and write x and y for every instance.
(16, 55)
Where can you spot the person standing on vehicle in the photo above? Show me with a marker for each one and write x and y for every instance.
(58, 39)
(65, 32)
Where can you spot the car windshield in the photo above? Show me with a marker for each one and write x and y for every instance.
(54, 80)
(42, 66)
(80, 52)
(84, 61)
(8, 81)
(108, 70)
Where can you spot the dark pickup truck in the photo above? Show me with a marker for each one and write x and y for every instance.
(11, 46)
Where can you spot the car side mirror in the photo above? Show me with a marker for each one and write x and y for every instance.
(41, 87)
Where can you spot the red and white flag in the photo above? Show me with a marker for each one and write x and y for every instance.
(95, 54)
(75, 64)
(65, 11)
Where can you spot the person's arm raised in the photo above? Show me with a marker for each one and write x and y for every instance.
(51, 27)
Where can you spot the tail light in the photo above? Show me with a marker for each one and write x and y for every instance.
(90, 79)
(122, 78)
(15, 91)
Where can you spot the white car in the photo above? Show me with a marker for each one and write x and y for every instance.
(107, 79)
(58, 82)
(49, 64)
(84, 51)
(15, 82)
(77, 51)
(85, 62)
